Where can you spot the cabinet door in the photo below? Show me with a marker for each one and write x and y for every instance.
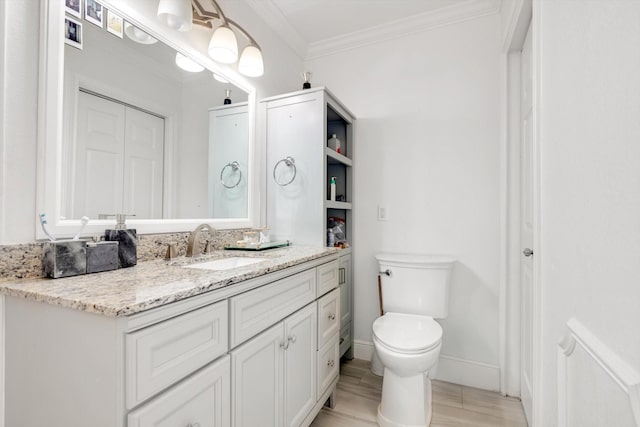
(300, 362)
(203, 400)
(295, 129)
(257, 369)
(345, 289)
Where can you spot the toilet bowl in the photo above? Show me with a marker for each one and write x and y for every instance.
(408, 346)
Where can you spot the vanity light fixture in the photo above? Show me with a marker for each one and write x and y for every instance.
(223, 46)
(188, 64)
(176, 14)
(137, 35)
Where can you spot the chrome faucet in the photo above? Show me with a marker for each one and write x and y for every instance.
(194, 240)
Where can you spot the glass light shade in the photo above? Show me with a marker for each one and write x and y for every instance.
(251, 63)
(188, 64)
(137, 35)
(176, 14)
(223, 46)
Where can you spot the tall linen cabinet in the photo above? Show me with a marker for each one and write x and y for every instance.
(299, 168)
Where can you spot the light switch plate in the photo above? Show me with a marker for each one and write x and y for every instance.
(383, 213)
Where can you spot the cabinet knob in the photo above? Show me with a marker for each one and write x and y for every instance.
(331, 363)
(292, 339)
(193, 425)
(332, 316)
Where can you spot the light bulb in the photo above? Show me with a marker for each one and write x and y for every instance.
(251, 63)
(223, 46)
(188, 64)
(176, 14)
(137, 35)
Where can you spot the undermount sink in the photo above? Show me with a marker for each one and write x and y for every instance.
(226, 263)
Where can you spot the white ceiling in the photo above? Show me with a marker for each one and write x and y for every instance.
(318, 27)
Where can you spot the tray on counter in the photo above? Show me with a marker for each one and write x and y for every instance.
(258, 246)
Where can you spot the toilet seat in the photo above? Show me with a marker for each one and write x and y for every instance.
(407, 333)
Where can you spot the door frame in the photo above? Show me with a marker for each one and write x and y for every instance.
(521, 16)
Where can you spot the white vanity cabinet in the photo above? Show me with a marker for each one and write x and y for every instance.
(244, 355)
(274, 373)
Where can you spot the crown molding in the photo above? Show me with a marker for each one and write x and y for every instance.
(274, 18)
(453, 14)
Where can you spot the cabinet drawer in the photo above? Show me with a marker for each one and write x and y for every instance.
(204, 399)
(328, 364)
(328, 317)
(163, 354)
(327, 277)
(260, 308)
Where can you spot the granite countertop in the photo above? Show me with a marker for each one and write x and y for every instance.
(154, 283)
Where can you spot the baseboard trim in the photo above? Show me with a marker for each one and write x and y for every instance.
(468, 372)
(362, 349)
(450, 369)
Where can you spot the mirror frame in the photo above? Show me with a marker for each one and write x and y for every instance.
(194, 44)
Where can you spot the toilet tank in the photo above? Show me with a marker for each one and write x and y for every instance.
(417, 284)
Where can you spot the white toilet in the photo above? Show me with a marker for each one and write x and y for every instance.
(406, 338)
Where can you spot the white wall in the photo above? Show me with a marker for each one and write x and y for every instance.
(590, 155)
(427, 149)
(19, 79)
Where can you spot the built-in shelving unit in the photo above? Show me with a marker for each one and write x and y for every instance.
(299, 168)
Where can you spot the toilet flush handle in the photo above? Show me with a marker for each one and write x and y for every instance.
(387, 272)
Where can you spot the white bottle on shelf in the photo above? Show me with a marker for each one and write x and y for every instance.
(333, 189)
(334, 143)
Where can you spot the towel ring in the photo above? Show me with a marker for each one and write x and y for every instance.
(289, 162)
(235, 166)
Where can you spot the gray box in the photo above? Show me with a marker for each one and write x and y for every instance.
(102, 256)
(64, 258)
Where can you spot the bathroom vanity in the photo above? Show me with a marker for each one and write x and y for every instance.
(165, 344)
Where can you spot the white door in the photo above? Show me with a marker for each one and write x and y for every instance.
(96, 183)
(143, 164)
(526, 227)
(257, 375)
(300, 365)
(119, 160)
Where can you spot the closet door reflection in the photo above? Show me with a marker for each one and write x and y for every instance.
(118, 160)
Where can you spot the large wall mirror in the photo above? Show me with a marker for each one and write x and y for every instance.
(126, 130)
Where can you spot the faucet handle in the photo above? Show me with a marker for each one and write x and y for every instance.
(171, 252)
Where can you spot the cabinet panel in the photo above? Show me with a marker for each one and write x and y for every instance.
(296, 130)
(327, 277)
(257, 369)
(162, 354)
(256, 310)
(202, 399)
(344, 274)
(300, 362)
(328, 317)
(328, 364)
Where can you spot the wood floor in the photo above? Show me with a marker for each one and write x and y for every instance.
(358, 395)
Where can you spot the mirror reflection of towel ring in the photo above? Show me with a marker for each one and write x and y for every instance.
(235, 166)
(289, 162)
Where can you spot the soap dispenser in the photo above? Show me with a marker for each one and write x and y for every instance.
(127, 242)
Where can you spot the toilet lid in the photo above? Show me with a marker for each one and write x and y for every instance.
(408, 333)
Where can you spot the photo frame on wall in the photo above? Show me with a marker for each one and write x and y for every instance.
(73, 32)
(115, 24)
(73, 7)
(94, 12)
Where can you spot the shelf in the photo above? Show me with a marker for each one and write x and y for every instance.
(335, 158)
(337, 205)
